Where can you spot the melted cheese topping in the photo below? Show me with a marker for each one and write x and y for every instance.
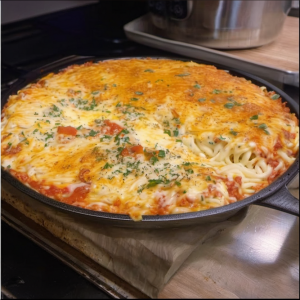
(147, 136)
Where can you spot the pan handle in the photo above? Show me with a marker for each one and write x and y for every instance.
(282, 200)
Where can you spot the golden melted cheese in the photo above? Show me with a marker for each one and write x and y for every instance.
(147, 136)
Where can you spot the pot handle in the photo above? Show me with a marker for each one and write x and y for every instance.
(282, 200)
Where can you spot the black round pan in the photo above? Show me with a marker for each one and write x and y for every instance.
(275, 195)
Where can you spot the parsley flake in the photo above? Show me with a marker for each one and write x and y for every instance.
(107, 166)
(168, 132)
(229, 105)
(183, 74)
(275, 97)
(153, 160)
(161, 153)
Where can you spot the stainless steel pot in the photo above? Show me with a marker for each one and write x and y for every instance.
(231, 24)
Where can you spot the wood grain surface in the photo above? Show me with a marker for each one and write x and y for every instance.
(283, 53)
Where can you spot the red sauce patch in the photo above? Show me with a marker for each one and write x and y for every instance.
(68, 130)
(132, 151)
(78, 195)
(233, 188)
(111, 128)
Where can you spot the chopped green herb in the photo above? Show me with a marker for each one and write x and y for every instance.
(183, 74)
(262, 126)
(178, 183)
(134, 99)
(158, 80)
(201, 99)
(8, 167)
(153, 182)
(168, 132)
(229, 105)
(49, 136)
(36, 113)
(139, 93)
(35, 130)
(179, 141)
(190, 171)
(95, 93)
(126, 140)
(118, 105)
(93, 132)
(166, 123)
(221, 138)
(107, 166)
(233, 132)
(216, 91)
(208, 178)
(126, 173)
(55, 108)
(114, 85)
(161, 153)
(125, 131)
(176, 132)
(275, 97)
(153, 160)
(255, 117)
(149, 70)
(105, 137)
(197, 86)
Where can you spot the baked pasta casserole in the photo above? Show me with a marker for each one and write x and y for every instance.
(147, 136)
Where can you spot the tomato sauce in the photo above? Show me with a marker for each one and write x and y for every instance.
(78, 195)
(111, 128)
(68, 130)
(132, 151)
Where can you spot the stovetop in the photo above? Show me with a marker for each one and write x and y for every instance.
(93, 30)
